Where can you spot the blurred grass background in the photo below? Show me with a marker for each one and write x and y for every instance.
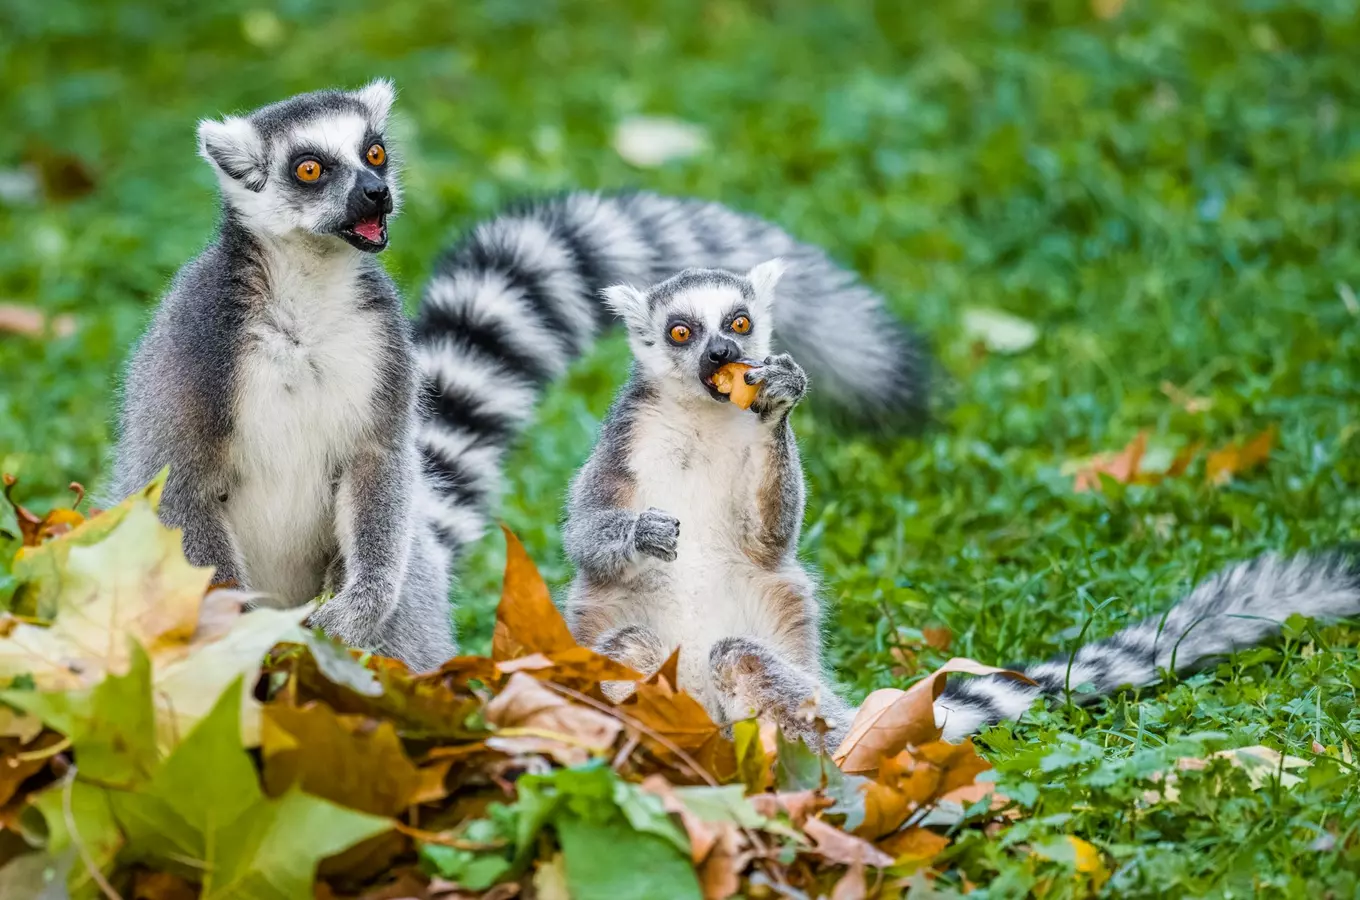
(1166, 190)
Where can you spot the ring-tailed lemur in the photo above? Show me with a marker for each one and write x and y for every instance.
(278, 383)
(683, 525)
(1241, 606)
(312, 444)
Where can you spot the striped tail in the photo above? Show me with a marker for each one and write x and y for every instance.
(513, 303)
(1241, 606)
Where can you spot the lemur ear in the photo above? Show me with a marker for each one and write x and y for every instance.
(377, 97)
(234, 147)
(764, 277)
(628, 303)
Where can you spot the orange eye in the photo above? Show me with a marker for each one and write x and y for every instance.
(741, 324)
(308, 170)
(377, 155)
(679, 333)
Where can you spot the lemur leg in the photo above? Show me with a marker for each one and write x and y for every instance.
(374, 527)
(419, 630)
(636, 646)
(752, 678)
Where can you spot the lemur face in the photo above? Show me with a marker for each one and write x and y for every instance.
(687, 327)
(316, 164)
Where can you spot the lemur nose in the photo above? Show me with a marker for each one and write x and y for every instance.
(377, 193)
(719, 354)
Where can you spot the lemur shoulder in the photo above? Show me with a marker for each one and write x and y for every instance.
(684, 523)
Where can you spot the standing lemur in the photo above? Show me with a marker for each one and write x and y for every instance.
(315, 443)
(683, 527)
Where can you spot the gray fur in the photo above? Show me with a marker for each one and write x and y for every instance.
(1240, 607)
(715, 571)
(278, 383)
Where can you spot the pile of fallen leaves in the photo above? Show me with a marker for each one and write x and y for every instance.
(159, 741)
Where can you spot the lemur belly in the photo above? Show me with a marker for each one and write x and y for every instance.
(303, 403)
(702, 469)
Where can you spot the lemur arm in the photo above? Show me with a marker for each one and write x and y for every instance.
(779, 492)
(600, 536)
(374, 502)
(603, 537)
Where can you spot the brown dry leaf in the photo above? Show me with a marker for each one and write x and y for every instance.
(526, 619)
(938, 637)
(582, 669)
(19, 761)
(890, 719)
(914, 846)
(550, 879)
(799, 806)
(421, 706)
(432, 787)
(30, 322)
(836, 846)
(1225, 463)
(531, 718)
(720, 874)
(851, 885)
(959, 764)
(33, 529)
(680, 720)
(161, 886)
(1121, 466)
(354, 761)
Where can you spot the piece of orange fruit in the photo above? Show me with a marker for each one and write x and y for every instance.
(731, 380)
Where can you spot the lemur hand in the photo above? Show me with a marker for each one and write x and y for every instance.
(351, 616)
(784, 384)
(657, 534)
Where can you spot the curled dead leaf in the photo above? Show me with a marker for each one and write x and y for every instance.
(527, 621)
(890, 719)
(836, 846)
(530, 718)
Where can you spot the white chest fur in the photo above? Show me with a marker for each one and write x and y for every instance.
(304, 396)
(702, 465)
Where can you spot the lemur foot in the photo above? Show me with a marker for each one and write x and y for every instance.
(657, 534)
(784, 383)
(352, 616)
(636, 646)
(755, 679)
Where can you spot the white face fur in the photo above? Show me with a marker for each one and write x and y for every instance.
(683, 329)
(317, 164)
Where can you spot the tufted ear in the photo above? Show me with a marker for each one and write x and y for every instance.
(235, 149)
(377, 97)
(629, 304)
(764, 278)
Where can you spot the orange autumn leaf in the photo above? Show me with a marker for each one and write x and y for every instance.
(1223, 464)
(34, 529)
(914, 846)
(527, 621)
(890, 719)
(1121, 466)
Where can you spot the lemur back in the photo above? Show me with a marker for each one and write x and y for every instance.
(684, 523)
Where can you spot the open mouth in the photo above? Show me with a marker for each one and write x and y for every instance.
(367, 234)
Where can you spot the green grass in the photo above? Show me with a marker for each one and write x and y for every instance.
(1169, 196)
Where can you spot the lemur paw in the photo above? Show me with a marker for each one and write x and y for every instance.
(350, 617)
(783, 382)
(657, 534)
